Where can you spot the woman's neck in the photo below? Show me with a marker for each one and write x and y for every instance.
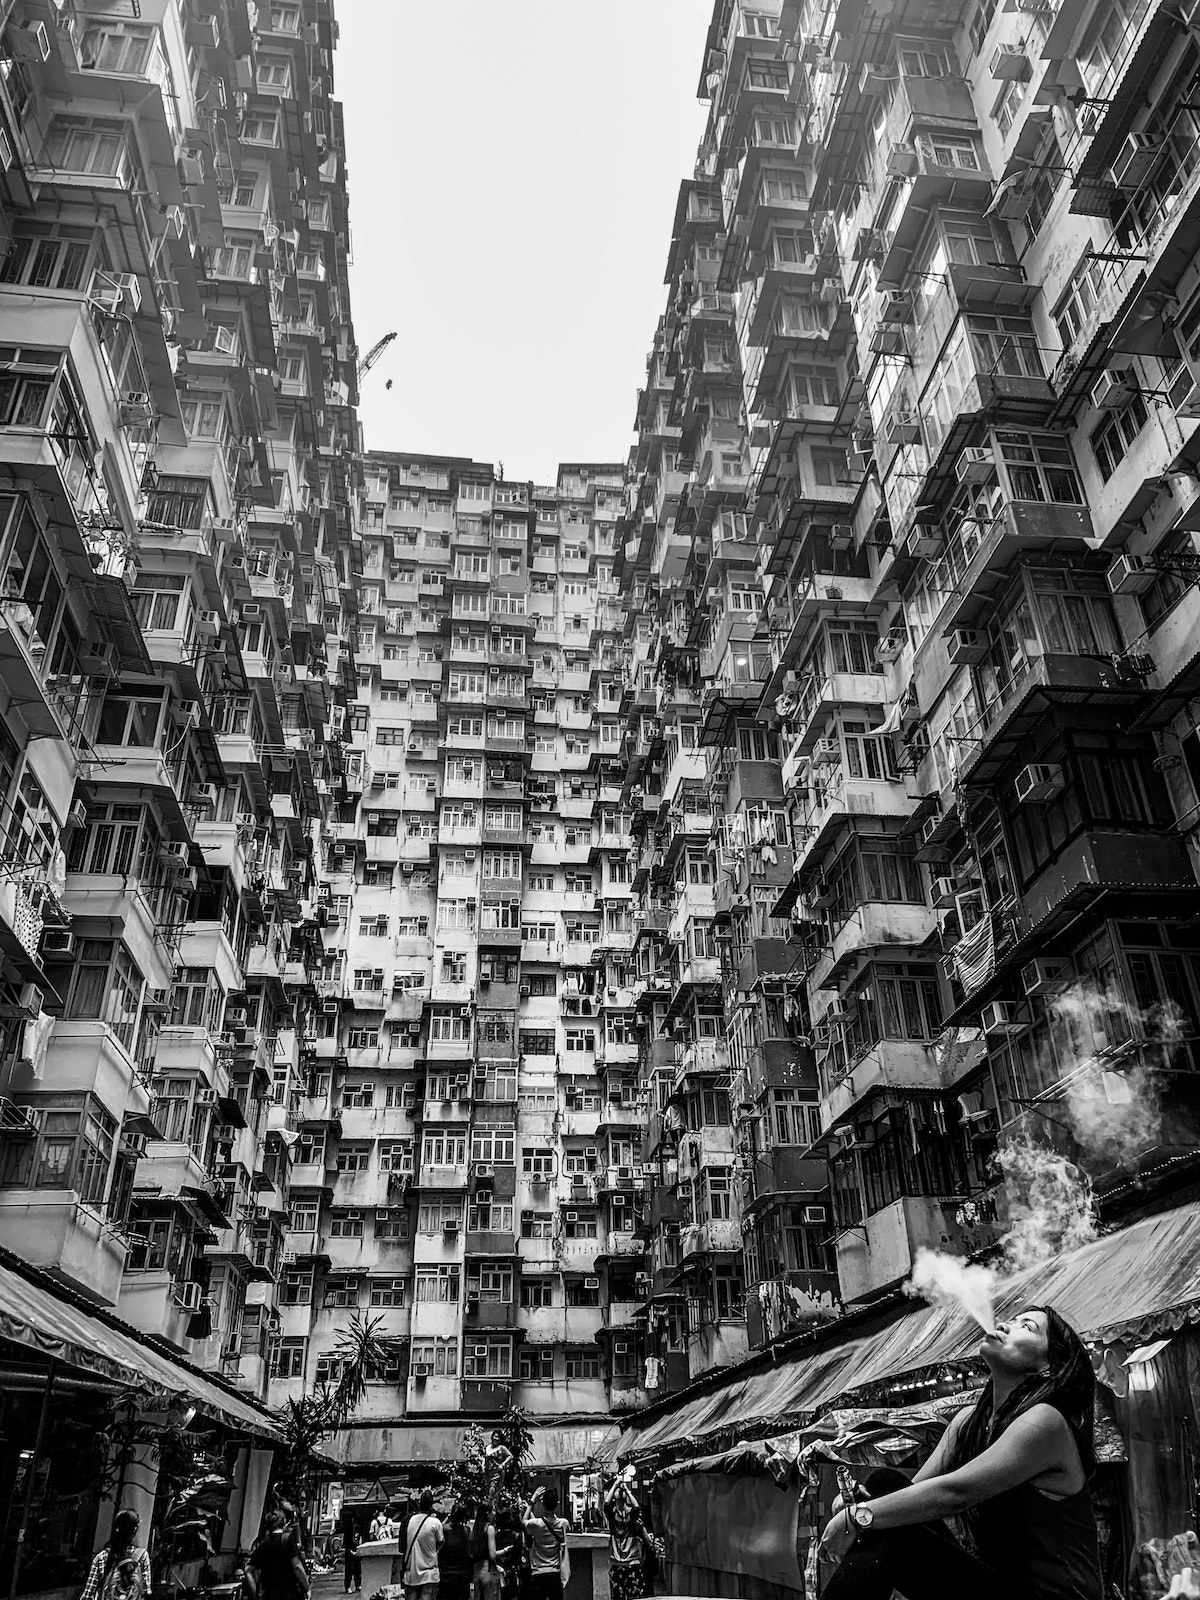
(1003, 1384)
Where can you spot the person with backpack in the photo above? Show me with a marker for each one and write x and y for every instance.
(632, 1557)
(276, 1569)
(423, 1540)
(487, 1553)
(546, 1533)
(121, 1571)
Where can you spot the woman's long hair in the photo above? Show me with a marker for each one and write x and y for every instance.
(1069, 1386)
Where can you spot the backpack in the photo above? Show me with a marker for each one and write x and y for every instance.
(123, 1577)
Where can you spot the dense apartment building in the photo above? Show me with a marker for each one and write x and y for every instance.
(909, 582)
(469, 1152)
(176, 422)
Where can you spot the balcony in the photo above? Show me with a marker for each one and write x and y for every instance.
(827, 693)
(870, 925)
(485, 1395)
(480, 1314)
(878, 1254)
(58, 1232)
(900, 1065)
(828, 806)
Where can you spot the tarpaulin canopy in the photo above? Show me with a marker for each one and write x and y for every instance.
(33, 1315)
(1140, 1280)
(560, 1444)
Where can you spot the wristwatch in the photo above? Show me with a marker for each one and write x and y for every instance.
(861, 1516)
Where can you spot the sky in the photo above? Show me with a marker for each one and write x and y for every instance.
(514, 167)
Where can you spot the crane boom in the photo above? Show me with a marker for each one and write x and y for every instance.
(373, 354)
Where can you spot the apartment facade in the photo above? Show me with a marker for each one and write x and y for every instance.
(178, 417)
(909, 584)
(469, 1162)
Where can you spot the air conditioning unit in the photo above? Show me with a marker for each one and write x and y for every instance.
(888, 342)
(944, 893)
(1039, 782)
(1009, 63)
(967, 647)
(57, 942)
(176, 857)
(251, 611)
(485, 1174)
(837, 1013)
(136, 409)
(524, 991)
(875, 78)
(924, 542)
(28, 41)
(330, 1008)
(901, 161)
(826, 752)
(571, 1216)
(840, 536)
(903, 428)
(191, 169)
(450, 1228)
(816, 1214)
(977, 464)
(830, 291)
(1136, 159)
(1046, 975)
(29, 1002)
(421, 1370)
(1114, 388)
(186, 1296)
(101, 659)
(157, 1000)
(1131, 575)
(1001, 1016)
(869, 244)
(208, 624)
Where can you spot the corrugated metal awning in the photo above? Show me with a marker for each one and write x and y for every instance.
(33, 1315)
(1141, 1279)
(561, 1444)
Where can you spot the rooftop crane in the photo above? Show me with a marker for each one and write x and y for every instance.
(373, 355)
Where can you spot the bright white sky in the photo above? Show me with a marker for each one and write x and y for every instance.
(514, 167)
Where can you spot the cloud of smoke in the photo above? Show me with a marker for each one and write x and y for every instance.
(948, 1280)
(1050, 1207)
(1110, 1103)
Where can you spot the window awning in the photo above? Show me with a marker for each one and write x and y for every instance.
(1137, 1282)
(34, 1315)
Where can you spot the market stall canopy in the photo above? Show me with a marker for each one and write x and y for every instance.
(34, 1315)
(563, 1444)
(1135, 1283)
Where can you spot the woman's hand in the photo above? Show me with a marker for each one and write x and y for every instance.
(837, 1537)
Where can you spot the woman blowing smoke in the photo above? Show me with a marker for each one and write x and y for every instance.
(1014, 1467)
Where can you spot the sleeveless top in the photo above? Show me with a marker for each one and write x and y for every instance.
(1045, 1548)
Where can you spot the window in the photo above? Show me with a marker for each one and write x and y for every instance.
(436, 1357)
(1112, 440)
(260, 128)
(353, 1157)
(73, 1149)
(536, 1293)
(91, 145)
(436, 1215)
(537, 1225)
(438, 1285)
(537, 1361)
(795, 1117)
(490, 1360)
(289, 1358)
(493, 1146)
(582, 1361)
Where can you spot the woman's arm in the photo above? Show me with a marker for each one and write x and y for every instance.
(144, 1572)
(942, 1453)
(1035, 1443)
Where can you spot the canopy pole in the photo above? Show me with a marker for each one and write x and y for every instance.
(31, 1479)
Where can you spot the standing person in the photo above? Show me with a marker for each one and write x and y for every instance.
(1014, 1466)
(422, 1540)
(276, 1565)
(121, 1571)
(381, 1528)
(351, 1560)
(487, 1553)
(626, 1542)
(546, 1533)
(454, 1558)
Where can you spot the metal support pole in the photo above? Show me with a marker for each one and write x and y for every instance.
(30, 1480)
